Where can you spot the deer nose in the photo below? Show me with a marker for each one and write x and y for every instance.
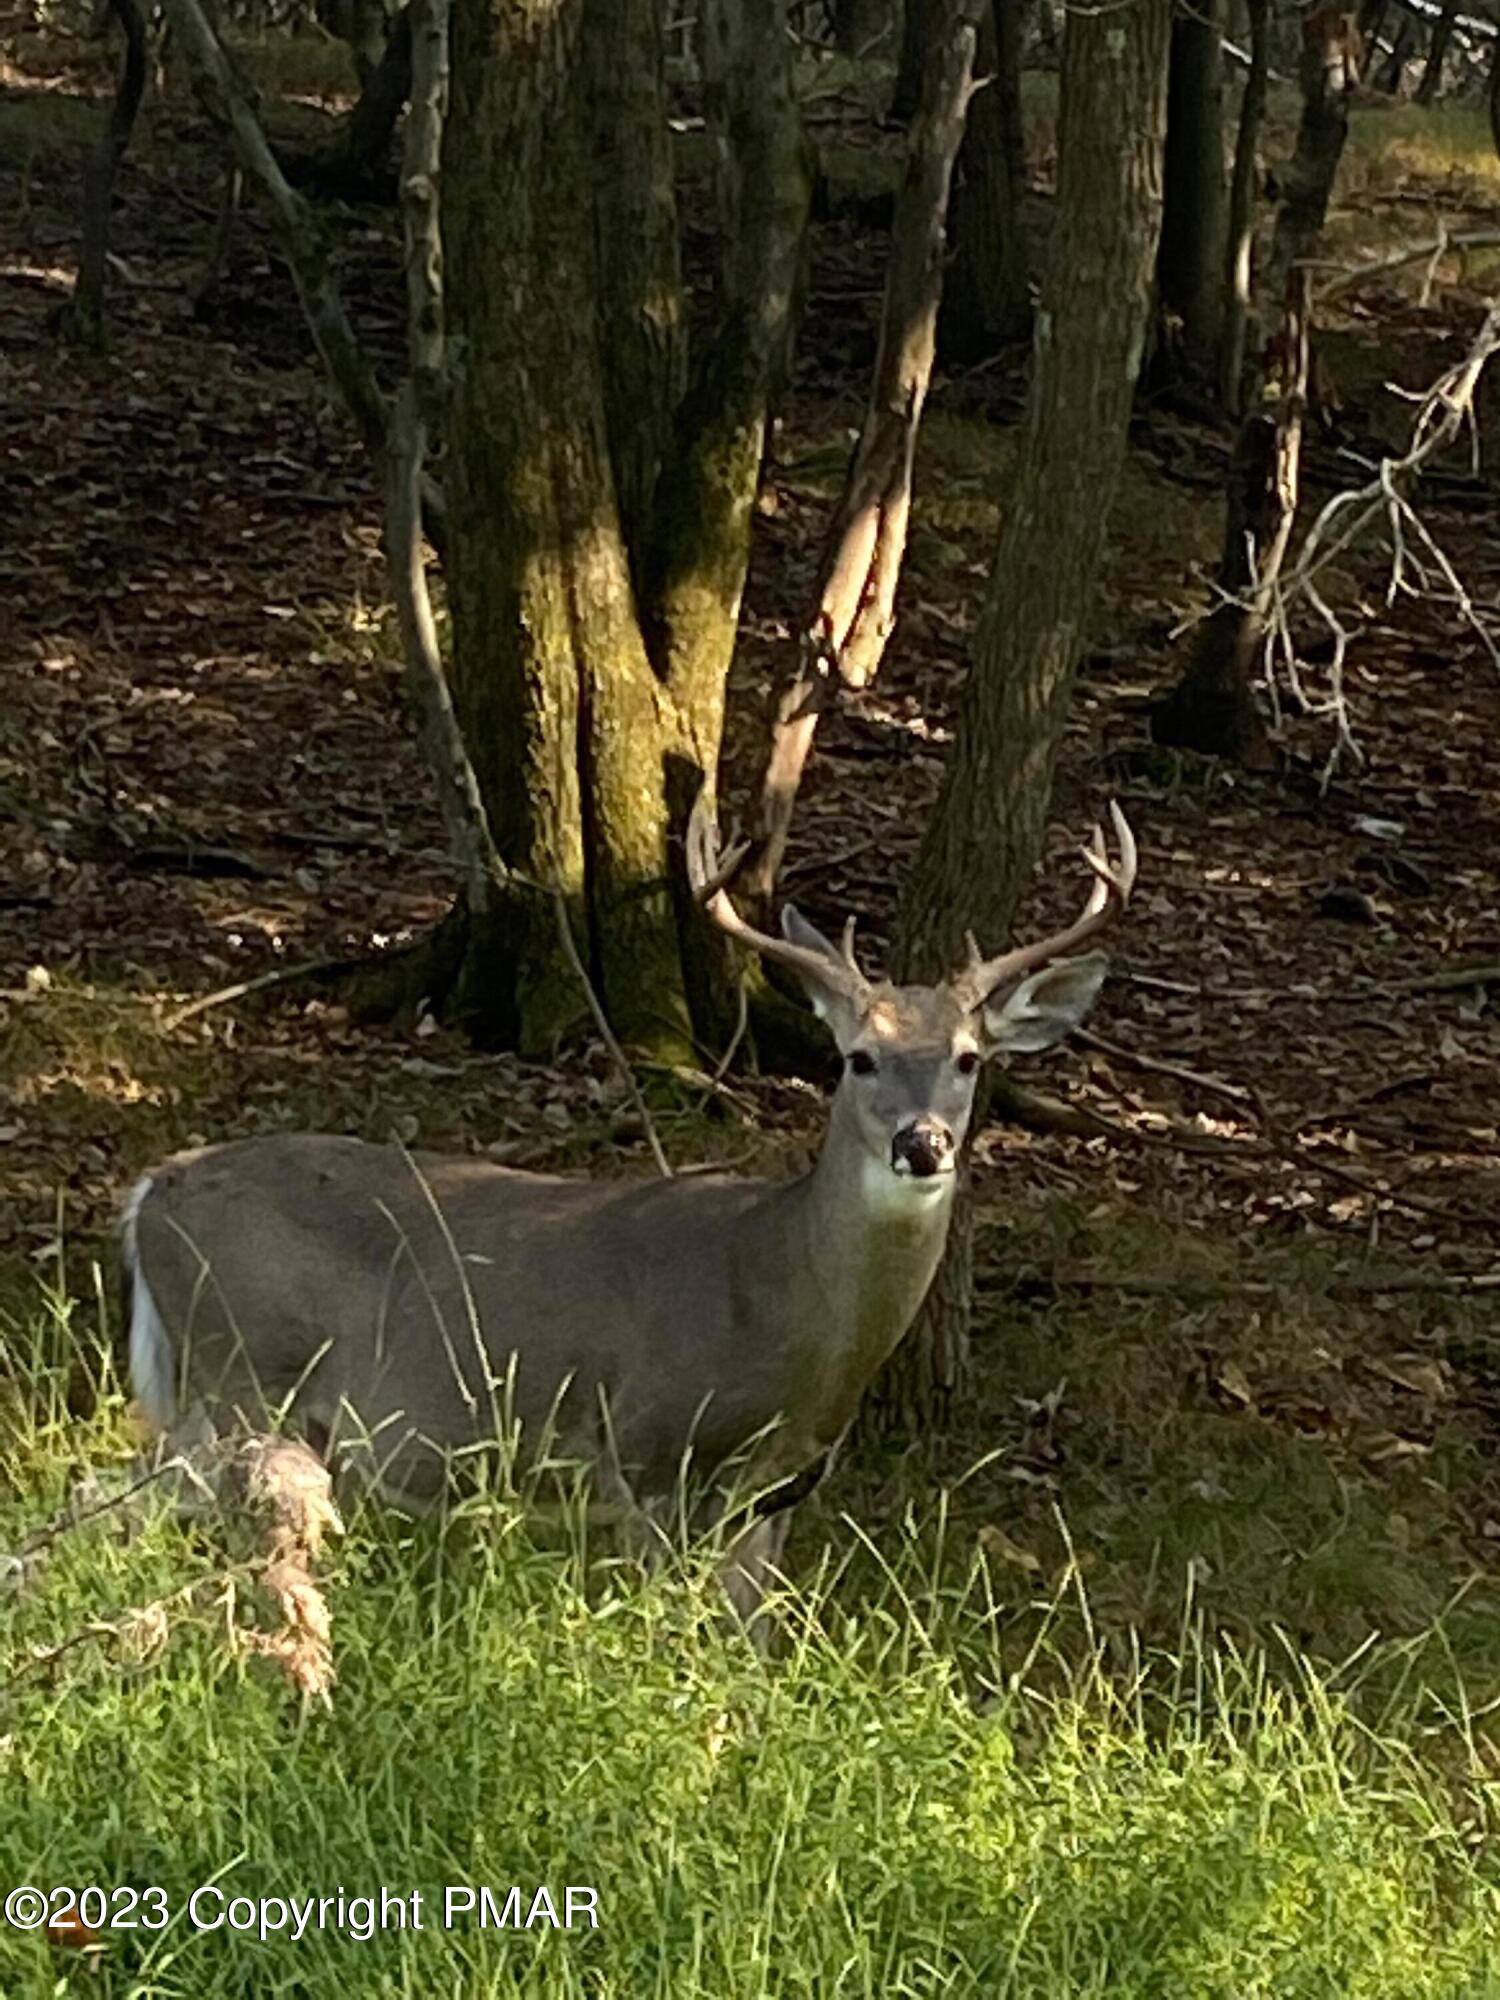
(923, 1148)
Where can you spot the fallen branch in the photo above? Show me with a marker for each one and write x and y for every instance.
(1040, 1113)
(1433, 250)
(1233, 1093)
(279, 975)
(1487, 974)
(1185, 1287)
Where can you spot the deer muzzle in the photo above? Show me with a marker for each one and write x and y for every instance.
(923, 1148)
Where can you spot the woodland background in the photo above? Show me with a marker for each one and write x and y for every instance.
(1147, 1641)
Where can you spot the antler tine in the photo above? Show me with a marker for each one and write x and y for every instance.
(1108, 893)
(708, 873)
(846, 946)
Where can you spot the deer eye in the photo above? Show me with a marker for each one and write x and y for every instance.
(967, 1062)
(861, 1062)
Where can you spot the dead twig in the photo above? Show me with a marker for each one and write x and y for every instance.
(607, 1034)
(279, 975)
(1232, 1093)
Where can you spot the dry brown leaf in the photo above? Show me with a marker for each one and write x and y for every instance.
(1385, 1447)
(995, 1542)
(1233, 1384)
(1419, 1373)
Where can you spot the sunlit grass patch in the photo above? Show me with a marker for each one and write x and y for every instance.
(1448, 142)
(890, 1806)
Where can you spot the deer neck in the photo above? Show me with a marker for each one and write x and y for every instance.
(869, 1244)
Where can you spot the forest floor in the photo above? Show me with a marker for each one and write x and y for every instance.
(1232, 1361)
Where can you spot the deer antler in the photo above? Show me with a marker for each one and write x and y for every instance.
(1109, 894)
(709, 870)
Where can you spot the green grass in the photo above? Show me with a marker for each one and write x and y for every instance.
(900, 1803)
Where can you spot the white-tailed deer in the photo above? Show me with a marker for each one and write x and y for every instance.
(395, 1310)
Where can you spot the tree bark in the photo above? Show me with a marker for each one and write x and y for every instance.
(985, 833)
(1240, 234)
(915, 28)
(1395, 68)
(1189, 263)
(351, 169)
(987, 292)
(599, 551)
(844, 640)
(1437, 50)
(83, 320)
(640, 277)
(1213, 707)
(1494, 96)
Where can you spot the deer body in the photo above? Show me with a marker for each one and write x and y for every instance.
(397, 1310)
(647, 1320)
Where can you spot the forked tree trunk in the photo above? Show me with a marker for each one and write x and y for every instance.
(844, 638)
(985, 834)
(1189, 264)
(83, 319)
(599, 538)
(352, 165)
(1213, 708)
(1239, 242)
(987, 293)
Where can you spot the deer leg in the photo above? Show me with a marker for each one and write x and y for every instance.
(752, 1566)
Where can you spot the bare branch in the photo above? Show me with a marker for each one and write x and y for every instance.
(228, 103)
(462, 803)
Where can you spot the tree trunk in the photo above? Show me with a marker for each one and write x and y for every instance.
(1395, 69)
(1240, 235)
(83, 319)
(985, 833)
(844, 640)
(1372, 15)
(1437, 50)
(1494, 97)
(600, 537)
(1189, 263)
(1213, 708)
(351, 169)
(913, 59)
(987, 292)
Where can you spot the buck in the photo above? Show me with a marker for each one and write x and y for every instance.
(397, 1312)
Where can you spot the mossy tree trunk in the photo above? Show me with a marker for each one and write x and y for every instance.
(601, 493)
(985, 834)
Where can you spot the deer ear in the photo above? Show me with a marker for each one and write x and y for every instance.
(830, 999)
(1045, 1007)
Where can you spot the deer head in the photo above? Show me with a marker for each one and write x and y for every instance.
(912, 1054)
